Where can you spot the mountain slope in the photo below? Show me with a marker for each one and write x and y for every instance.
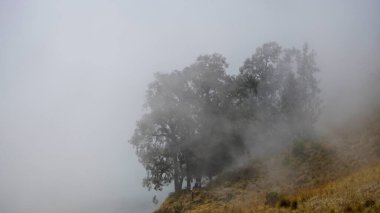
(337, 173)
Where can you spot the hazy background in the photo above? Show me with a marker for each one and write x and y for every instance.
(73, 76)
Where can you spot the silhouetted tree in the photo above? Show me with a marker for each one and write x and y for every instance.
(212, 97)
(162, 133)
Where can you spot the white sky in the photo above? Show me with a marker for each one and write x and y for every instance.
(73, 76)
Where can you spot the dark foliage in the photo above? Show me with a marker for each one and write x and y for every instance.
(196, 119)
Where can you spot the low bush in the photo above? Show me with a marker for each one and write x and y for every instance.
(271, 199)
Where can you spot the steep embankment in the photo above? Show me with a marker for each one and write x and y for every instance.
(337, 173)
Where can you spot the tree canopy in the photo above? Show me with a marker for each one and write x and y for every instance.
(197, 118)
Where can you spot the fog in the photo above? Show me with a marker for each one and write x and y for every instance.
(73, 76)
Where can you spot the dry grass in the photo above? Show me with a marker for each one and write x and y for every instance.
(358, 192)
(339, 174)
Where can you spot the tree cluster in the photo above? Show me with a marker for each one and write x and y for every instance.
(196, 119)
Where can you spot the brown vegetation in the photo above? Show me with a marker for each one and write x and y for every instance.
(339, 173)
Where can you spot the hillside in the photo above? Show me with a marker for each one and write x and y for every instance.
(336, 173)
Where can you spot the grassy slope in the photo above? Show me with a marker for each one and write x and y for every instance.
(340, 173)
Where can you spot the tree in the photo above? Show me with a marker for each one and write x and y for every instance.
(162, 132)
(309, 100)
(186, 133)
(197, 119)
(277, 85)
(259, 80)
(212, 99)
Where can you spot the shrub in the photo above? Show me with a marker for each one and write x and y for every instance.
(369, 203)
(298, 149)
(348, 209)
(294, 204)
(309, 150)
(284, 203)
(271, 198)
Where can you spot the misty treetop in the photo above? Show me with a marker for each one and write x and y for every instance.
(200, 119)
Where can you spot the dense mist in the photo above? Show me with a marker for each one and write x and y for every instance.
(74, 75)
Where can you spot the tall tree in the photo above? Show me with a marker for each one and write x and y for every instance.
(259, 79)
(161, 134)
(197, 119)
(308, 84)
(211, 89)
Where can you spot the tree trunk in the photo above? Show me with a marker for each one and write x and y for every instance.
(176, 177)
(198, 182)
(176, 182)
(188, 182)
(188, 175)
(181, 182)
